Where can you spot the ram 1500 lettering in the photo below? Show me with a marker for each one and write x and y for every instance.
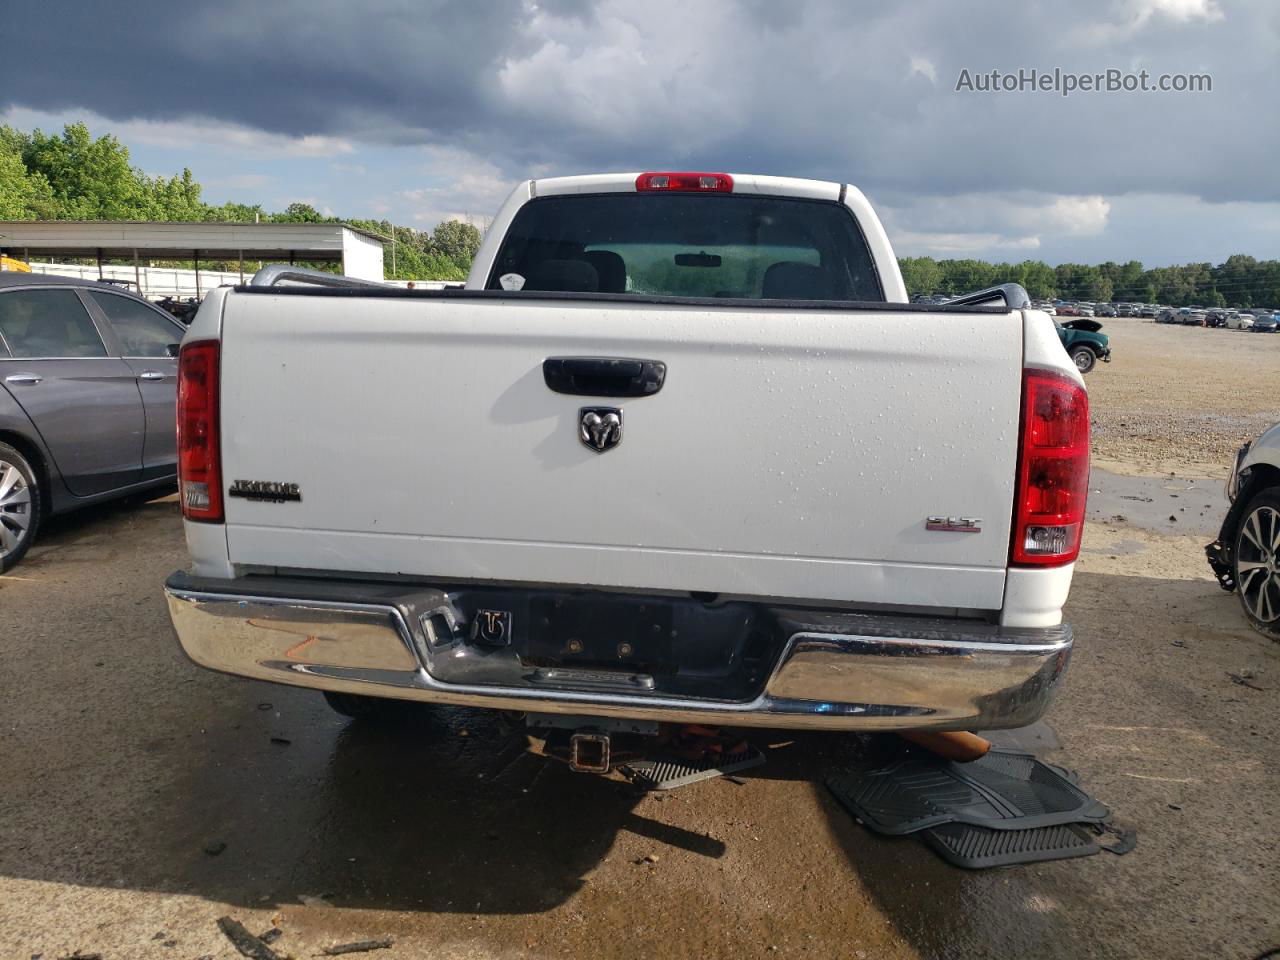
(680, 451)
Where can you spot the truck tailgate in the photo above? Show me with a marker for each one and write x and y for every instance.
(791, 453)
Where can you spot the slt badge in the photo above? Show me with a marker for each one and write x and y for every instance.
(954, 524)
(600, 428)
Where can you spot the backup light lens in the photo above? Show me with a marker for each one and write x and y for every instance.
(1053, 471)
(689, 182)
(199, 456)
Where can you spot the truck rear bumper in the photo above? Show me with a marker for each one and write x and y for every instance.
(833, 670)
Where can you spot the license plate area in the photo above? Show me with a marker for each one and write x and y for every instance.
(581, 631)
(635, 643)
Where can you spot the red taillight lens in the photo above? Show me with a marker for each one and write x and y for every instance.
(199, 466)
(696, 182)
(1053, 471)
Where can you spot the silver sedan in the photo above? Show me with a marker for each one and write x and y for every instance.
(87, 395)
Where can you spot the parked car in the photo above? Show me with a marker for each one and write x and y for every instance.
(616, 520)
(1241, 321)
(1068, 310)
(1126, 309)
(1083, 343)
(1265, 323)
(1085, 310)
(87, 387)
(1104, 310)
(1246, 556)
(1196, 318)
(1151, 310)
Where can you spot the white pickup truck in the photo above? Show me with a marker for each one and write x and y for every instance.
(680, 451)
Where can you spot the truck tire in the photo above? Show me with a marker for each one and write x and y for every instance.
(374, 709)
(20, 506)
(1256, 560)
(1084, 358)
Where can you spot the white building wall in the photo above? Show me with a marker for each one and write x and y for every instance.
(361, 256)
(160, 282)
(156, 282)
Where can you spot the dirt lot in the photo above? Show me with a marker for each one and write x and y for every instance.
(1181, 398)
(126, 769)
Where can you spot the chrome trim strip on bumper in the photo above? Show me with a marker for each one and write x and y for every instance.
(874, 679)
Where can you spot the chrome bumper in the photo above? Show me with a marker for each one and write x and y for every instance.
(890, 673)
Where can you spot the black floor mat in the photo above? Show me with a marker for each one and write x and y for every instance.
(976, 848)
(1005, 790)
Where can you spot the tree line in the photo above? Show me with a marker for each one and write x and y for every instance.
(1240, 281)
(72, 176)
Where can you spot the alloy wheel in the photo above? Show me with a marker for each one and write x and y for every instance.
(15, 508)
(1258, 564)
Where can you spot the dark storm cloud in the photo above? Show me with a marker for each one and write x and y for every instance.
(394, 71)
(850, 90)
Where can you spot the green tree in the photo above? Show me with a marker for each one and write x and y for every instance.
(456, 240)
(90, 179)
(23, 195)
(301, 213)
(175, 198)
(235, 213)
(1038, 278)
(1129, 282)
(963, 276)
(921, 275)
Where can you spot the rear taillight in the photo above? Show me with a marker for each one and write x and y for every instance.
(695, 182)
(1053, 471)
(199, 466)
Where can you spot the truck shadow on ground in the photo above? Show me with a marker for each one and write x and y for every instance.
(446, 810)
(443, 810)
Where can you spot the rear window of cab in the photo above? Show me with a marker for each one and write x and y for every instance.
(687, 245)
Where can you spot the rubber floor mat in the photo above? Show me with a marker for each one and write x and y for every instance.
(976, 848)
(667, 773)
(1004, 790)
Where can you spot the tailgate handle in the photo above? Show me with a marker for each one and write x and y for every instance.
(604, 376)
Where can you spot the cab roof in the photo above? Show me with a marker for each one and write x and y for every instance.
(743, 183)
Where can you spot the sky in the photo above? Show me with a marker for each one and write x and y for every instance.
(419, 111)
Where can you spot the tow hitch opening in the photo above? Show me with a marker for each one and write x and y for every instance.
(589, 752)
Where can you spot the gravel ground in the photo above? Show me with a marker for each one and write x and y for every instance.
(142, 798)
(1180, 398)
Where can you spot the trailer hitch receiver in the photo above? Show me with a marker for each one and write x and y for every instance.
(589, 752)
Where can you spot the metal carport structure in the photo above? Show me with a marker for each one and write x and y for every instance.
(358, 251)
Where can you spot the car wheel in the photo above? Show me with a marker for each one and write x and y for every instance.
(1257, 563)
(19, 506)
(374, 709)
(1084, 359)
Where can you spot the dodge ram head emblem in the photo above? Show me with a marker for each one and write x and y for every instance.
(600, 428)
